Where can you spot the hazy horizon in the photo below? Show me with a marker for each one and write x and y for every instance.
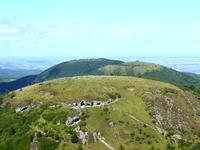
(187, 64)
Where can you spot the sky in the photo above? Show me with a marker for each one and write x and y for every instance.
(99, 28)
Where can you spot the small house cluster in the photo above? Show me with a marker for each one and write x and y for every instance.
(84, 103)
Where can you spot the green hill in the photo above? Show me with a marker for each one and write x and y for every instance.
(119, 68)
(136, 68)
(152, 71)
(115, 68)
(136, 113)
(75, 68)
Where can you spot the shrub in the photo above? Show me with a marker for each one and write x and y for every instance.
(198, 133)
(84, 116)
(152, 148)
(121, 147)
(80, 147)
(137, 138)
(82, 124)
(74, 138)
(170, 146)
(11, 131)
(39, 134)
(47, 144)
(11, 95)
(105, 110)
(154, 121)
(54, 116)
(149, 142)
(1, 99)
(196, 146)
(132, 135)
(121, 121)
(182, 143)
(114, 95)
(170, 132)
(169, 91)
(1, 130)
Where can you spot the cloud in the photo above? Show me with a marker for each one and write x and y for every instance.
(15, 29)
(10, 31)
(5, 21)
(19, 30)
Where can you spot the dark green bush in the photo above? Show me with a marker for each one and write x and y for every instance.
(82, 124)
(47, 144)
(183, 144)
(121, 147)
(196, 146)
(74, 138)
(105, 110)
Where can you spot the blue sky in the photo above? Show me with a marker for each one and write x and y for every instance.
(103, 28)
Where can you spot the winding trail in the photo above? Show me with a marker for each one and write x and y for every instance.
(106, 144)
(155, 128)
(134, 118)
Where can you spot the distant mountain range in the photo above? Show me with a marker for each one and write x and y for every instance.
(103, 66)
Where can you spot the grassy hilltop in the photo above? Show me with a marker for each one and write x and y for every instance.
(148, 114)
(118, 68)
(108, 67)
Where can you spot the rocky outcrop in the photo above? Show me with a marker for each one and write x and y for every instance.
(72, 120)
(111, 124)
(83, 136)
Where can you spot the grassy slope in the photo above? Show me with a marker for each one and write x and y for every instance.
(119, 68)
(97, 88)
(75, 68)
(129, 69)
(139, 98)
(113, 67)
(152, 71)
(13, 85)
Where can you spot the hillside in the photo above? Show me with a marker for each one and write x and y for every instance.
(75, 68)
(115, 68)
(120, 113)
(7, 75)
(152, 71)
(17, 84)
(119, 68)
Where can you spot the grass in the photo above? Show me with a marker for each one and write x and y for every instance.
(129, 69)
(77, 88)
(124, 128)
(138, 98)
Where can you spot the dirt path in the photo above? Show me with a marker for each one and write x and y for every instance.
(134, 118)
(157, 129)
(106, 144)
(102, 140)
